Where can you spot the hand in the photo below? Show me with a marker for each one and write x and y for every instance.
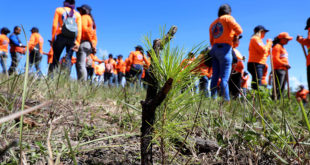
(298, 37)
(287, 66)
(243, 58)
(94, 50)
(75, 48)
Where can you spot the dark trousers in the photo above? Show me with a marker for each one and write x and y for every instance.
(35, 58)
(58, 46)
(15, 61)
(235, 84)
(256, 70)
(280, 78)
(90, 73)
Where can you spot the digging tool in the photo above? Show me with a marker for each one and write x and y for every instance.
(273, 76)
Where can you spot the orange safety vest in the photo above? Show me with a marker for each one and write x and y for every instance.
(4, 43)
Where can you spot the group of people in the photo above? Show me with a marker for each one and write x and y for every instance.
(227, 62)
(75, 30)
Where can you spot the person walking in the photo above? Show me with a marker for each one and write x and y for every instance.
(258, 53)
(222, 33)
(66, 33)
(4, 44)
(306, 42)
(88, 42)
(50, 54)
(36, 49)
(280, 62)
(16, 50)
(136, 61)
(121, 70)
(90, 65)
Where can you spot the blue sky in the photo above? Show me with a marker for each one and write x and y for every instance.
(121, 25)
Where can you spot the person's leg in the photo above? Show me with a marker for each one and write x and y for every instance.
(233, 84)
(115, 79)
(203, 82)
(58, 47)
(260, 71)
(216, 71)
(69, 54)
(279, 81)
(38, 59)
(3, 59)
(84, 50)
(225, 60)
(252, 71)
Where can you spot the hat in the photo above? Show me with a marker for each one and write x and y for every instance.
(260, 28)
(5, 30)
(285, 35)
(308, 24)
(85, 7)
(120, 56)
(34, 29)
(139, 47)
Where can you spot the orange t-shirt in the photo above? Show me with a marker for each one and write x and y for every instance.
(121, 66)
(244, 81)
(306, 41)
(4, 43)
(60, 13)
(302, 94)
(113, 63)
(223, 30)
(34, 40)
(99, 69)
(280, 57)
(265, 73)
(88, 33)
(95, 59)
(136, 57)
(258, 52)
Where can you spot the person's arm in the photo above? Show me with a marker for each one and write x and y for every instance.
(211, 35)
(55, 25)
(14, 40)
(235, 26)
(79, 24)
(276, 52)
(260, 47)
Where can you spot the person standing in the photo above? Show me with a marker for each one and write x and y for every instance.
(4, 44)
(301, 94)
(88, 41)
(222, 33)
(280, 62)
(66, 33)
(35, 49)
(121, 70)
(244, 82)
(90, 65)
(306, 42)
(136, 61)
(16, 50)
(258, 53)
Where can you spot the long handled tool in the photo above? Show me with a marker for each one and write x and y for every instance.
(273, 76)
(303, 48)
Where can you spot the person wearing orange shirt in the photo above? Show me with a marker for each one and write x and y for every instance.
(237, 70)
(137, 59)
(88, 42)
(306, 42)
(66, 32)
(280, 62)
(4, 44)
(121, 70)
(244, 82)
(301, 94)
(90, 65)
(16, 50)
(258, 53)
(99, 71)
(222, 33)
(110, 71)
(36, 49)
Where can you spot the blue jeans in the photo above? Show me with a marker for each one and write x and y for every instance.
(15, 61)
(256, 70)
(221, 64)
(3, 58)
(137, 72)
(58, 46)
(113, 79)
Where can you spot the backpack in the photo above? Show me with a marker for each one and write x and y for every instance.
(69, 26)
(89, 61)
(108, 67)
